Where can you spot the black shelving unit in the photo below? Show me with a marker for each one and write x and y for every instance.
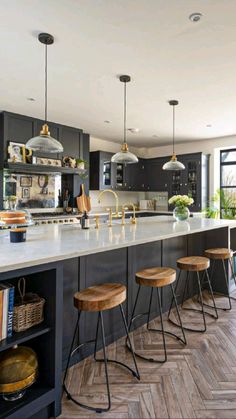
(38, 168)
(43, 398)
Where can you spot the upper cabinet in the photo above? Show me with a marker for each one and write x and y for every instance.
(148, 175)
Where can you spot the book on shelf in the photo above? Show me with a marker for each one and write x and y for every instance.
(6, 309)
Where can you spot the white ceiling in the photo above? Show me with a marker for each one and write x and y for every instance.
(167, 56)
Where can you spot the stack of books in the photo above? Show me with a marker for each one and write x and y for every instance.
(7, 292)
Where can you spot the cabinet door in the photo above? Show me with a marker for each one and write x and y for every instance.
(106, 171)
(135, 176)
(192, 184)
(17, 128)
(157, 178)
(70, 139)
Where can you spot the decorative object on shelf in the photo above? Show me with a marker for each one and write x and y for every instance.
(26, 181)
(44, 142)
(69, 161)
(12, 202)
(25, 193)
(82, 167)
(17, 235)
(16, 152)
(173, 164)
(19, 370)
(28, 309)
(15, 218)
(43, 184)
(181, 202)
(44, 161)
(124, 156)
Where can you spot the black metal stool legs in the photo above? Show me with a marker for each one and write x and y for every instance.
(201, 310)
(104, 359)
(226, 283)
(162, 331)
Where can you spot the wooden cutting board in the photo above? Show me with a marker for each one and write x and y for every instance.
(83, 201)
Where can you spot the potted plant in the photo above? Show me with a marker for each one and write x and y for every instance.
(181, 203)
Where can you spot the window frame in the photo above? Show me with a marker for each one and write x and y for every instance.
(222, 164)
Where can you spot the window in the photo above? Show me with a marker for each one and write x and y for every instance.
(228, 183)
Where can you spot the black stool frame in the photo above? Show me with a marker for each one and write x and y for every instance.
(162, 331)
(226, 282)
(104, 359)
(204, 313)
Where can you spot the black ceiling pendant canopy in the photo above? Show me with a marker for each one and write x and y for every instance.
(125, 79)
(46, 38)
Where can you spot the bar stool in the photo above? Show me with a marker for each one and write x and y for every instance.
(222, 254)
(157, 277)
(193, 264)
(97, 299)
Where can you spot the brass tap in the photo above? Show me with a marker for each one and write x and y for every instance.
(123, 216)
(116, 214)
(110, 217)
(97, 221)
(133, 218)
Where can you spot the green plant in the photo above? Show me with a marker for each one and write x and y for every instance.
(222, 199)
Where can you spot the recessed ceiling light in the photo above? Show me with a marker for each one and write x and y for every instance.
(195, 17)
(31, 99)
(208, 125)
(133, 130)
(107, 121)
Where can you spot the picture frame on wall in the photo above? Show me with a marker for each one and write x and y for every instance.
(25, 193)
(26, 181)
(16, 152)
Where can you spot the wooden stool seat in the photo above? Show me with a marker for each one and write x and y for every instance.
(100, 297)
(156, 277)
(219, 253)
(193, 263)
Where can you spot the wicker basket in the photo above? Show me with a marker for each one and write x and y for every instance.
(28, 309)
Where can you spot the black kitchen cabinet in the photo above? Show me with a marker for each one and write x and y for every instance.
(102, 173)
(20, 128)
(193, 181)
(157, 179)
(135, 179)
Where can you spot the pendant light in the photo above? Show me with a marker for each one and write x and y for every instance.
(173, 164)
(44, 142)
(124, 156)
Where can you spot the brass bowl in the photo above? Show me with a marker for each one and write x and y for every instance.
(18, 369)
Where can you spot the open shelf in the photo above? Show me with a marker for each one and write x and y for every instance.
(37, 168)
(20, 337)
(38, 394)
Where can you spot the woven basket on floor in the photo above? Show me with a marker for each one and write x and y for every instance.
(28, 309)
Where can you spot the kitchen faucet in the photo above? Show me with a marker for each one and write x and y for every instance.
(133, 219)
(116, 214)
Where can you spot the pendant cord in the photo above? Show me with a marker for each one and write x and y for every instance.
(125, 112)
(46, 84)
(173, 129)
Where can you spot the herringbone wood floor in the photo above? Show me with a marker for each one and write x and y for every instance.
(197, 381)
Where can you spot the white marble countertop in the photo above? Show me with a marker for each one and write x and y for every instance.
(51, 243)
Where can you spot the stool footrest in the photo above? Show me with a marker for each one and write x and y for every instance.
(198, 310)
(120, 363)
(165, 333)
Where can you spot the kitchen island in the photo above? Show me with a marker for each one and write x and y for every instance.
(59, 260)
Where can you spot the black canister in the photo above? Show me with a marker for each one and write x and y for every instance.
(17, 235)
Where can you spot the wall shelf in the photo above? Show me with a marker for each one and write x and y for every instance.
(21, 337)
(37, 168)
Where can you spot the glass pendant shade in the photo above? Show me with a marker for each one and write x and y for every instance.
(124, 156)
(44, 142)
(173, 164)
